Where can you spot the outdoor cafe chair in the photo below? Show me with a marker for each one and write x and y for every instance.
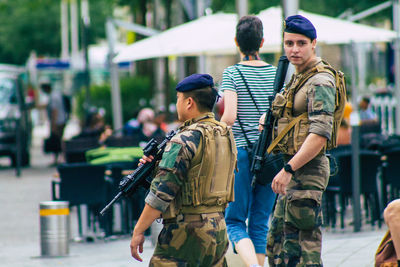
(84, 184)
(370, 163)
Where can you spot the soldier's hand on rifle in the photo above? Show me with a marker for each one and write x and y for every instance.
(261, 122)
(145, 159)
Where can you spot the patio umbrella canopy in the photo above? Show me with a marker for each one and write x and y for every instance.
(214, 35)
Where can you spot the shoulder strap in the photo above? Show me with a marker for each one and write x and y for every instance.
(285, 131)
(317, 69)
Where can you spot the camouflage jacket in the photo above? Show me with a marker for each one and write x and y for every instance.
(304, 107)
(174, 166)
(317, 97)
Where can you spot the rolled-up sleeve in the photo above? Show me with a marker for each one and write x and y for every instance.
(156, 202)
(321, 95)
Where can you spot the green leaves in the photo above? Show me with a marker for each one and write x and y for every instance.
(27, 25)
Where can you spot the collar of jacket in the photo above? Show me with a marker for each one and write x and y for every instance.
(208, 115)
(310, 65)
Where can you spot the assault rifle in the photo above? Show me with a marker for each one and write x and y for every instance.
(265, 138)
(142, 175)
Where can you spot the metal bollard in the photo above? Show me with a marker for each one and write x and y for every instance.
(54, 228)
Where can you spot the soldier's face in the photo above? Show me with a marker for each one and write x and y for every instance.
(299, 49)
(181, 106)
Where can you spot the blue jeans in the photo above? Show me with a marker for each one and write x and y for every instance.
(254, 204)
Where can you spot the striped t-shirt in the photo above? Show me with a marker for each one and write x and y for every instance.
(260, 80)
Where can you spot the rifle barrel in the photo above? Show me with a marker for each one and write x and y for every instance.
(116, 198)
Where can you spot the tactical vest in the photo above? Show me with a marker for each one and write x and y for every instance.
(291, 131)
(209, 185)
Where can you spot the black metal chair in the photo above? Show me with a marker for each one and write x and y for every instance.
(84, 184)
(75, 149)
(131, 207)
(122, 141)
(333, 188)
(369, 166)
(391, 175)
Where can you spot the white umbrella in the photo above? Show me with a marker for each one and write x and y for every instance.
(214, 35)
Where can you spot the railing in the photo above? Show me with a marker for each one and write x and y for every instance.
(385, 109)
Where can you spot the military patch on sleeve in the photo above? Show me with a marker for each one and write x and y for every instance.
(169, 157)
(324, 98)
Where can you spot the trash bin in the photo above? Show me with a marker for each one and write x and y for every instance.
(54, 227)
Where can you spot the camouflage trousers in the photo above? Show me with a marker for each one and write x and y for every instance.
(294, 238)
(201, 243)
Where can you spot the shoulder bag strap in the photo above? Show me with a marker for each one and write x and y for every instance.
(248, 89)
(244, 133)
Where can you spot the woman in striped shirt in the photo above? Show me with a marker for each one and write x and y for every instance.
(247, 86)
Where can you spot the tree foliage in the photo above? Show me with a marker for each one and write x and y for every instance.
(135, 94)
(326, 7)
(27, 25)
(335, 8)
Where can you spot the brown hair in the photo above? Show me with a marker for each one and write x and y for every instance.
(249, 34)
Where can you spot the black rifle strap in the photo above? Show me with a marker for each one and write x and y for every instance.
(248, 89)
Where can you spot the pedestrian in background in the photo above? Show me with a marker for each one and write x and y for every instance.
(58, 117)
(144, 127)
(366, 113)
(247, 87)
(193, 184)
(309, 101)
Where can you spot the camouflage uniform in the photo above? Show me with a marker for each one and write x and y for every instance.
(187, 239)
(294, 238)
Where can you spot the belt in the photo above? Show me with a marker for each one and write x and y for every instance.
(193, 217)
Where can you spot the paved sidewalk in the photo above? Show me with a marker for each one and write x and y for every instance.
(20, 239)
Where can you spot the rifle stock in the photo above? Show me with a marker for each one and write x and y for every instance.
(141, 176)
(265, 138)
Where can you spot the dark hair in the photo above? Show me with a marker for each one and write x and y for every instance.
(366, 99)
(249, 34)
(205, 98)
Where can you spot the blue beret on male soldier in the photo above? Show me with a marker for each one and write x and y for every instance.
(301, 25)
(195, 81)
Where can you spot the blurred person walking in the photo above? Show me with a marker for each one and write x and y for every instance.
(58, 117)
(247, 86)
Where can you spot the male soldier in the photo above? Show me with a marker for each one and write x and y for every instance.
(294, 238)
(193, 184)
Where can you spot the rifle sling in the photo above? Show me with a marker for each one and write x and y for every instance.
(285, 131)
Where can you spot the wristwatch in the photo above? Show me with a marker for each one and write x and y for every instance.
(288, 168)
